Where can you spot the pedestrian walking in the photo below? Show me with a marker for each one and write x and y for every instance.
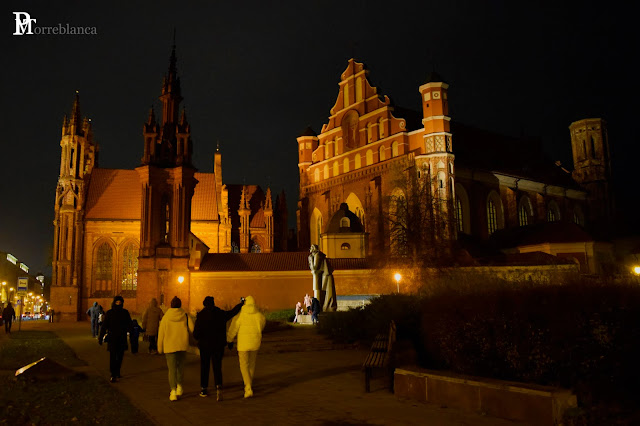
(150, 322)
(173, 341)
(116, 325)
(8, 316)
(94, 316)
(247, 327)
(211, 333)
(134, 336)
(315, 310)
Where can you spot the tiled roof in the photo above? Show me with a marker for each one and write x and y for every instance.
(286, 261)
(114, 194)
(204, 204)
(258, 220)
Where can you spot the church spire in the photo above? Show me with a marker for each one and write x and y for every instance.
(74, 126)
(171, 95)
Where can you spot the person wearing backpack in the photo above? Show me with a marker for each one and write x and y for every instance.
(94, 314)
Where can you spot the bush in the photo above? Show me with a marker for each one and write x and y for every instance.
(286, 315)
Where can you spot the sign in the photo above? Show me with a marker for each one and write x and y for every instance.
(23, 286)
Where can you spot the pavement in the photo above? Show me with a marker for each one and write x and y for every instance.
(301, 379)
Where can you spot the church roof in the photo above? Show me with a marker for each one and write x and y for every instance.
(285, 261)
(114, 194)
(335, 223)
(308, 132)
(204, 204)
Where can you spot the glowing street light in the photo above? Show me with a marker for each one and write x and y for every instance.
(636, 270)
(180, 279)
(397, 277)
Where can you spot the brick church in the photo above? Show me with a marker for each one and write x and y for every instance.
(165, 229)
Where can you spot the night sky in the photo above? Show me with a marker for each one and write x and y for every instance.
(255, 74)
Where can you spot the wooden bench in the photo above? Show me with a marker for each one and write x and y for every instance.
(380, 356)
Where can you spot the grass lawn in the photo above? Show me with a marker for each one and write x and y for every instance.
(89, 400)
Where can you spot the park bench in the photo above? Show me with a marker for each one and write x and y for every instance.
(380, 356)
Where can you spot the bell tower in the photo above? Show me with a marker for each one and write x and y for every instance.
(437, 163)
(167, 185)
(592, 169)
(78, 157)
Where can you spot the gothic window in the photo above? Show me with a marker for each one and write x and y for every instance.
(553, 212)
(255, 247)
(345, 246)
(523, 218)
(345, 165)
(326, 171)
(336, 169)
(350, 130)
(492, 217)
(234, 247)
(130, 267)
(459, 215)
(104, 264)
(360, 213)
(394, 149)
(578, 216)
(357, 162)
(525, 211)
(381, 154)
(369, 157)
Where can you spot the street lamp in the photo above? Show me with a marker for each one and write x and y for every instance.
(180, 281)
(397, 277)
(636, 270)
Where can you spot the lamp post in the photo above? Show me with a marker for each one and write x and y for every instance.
(397, 277)
(180, 281)
(636, 270)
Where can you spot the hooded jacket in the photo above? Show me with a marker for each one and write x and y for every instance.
(247, 326)
(94, 311)
(117, 322)
(173, 334)
(151, 318)
(211, 326)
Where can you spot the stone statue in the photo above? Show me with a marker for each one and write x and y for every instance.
(324, 287)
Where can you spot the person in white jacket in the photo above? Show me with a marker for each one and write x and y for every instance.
(173, 341)
(247, 326)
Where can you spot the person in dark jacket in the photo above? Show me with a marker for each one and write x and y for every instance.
(315, 310)
(134, 336)
(117, 323)
(211, 333)
(8, 315)
(94, 315)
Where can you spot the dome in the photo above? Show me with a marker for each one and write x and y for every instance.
(339, 224)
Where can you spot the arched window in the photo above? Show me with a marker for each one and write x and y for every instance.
(381, 155)
(316, 175)
(234, 247)
(495, 212)
(103, 272)
(336, 169)
(345, 246)
(578, 216)
(326, 171)
(345, 165)
(525, 211)
(255, 247)
(369, 157)
(492, 217)
(394, 149)
(349, 127)
(357, 162)
(553, 212)
(463, 212)
(130, 267)
(345, 222)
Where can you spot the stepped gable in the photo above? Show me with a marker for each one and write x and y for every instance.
(291, 261)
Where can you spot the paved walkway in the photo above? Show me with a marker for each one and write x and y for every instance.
(293, 385)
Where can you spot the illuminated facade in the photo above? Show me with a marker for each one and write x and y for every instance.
(489, 186)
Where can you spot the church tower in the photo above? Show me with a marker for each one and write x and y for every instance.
(436, 164)
(77, 159)
(592, 169)
(167, 185)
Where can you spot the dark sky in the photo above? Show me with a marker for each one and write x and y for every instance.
(255, 74)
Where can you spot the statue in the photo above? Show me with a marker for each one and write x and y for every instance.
(324, 287)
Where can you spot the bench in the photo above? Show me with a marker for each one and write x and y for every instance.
(380, 356)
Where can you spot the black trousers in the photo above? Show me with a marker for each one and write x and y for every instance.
(115, 360)
(7, 326)
(213, 356)
(153, 343)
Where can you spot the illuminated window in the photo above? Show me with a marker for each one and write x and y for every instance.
(369, 157)
(381, 154)
(326, 171)
(345, 246)
(345, 165)
(316, 175)
(255, 247)
(394, 149)
(523, 218)
(104, 262)
(130, 268)
(357, 162)
(336, 169)
(491, 217)
(459, 215)
(525, 211)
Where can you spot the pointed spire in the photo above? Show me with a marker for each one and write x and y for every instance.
(183, 117)
(243, 202)
(152, 117)
(65, 125)
(268, 203)
(75, 121)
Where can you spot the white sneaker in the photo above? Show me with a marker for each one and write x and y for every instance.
(179, 390)
(172, 396)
